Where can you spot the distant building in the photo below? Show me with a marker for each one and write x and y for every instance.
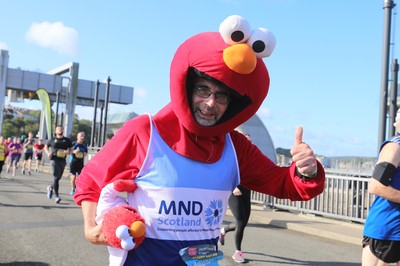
(18, 112)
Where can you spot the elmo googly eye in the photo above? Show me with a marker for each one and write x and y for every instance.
(262, 41)
(235, 29)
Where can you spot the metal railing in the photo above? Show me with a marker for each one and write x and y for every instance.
(345, 197)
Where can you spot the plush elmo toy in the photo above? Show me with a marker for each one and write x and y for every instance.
(122, 226)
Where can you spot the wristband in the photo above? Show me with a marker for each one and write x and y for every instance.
(309, 175)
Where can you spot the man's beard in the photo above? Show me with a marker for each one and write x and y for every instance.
(203, 108)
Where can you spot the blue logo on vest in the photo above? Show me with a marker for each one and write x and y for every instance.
(214, 212)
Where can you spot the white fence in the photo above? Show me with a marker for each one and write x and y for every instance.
(345, 197)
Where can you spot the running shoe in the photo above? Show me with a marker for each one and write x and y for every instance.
(222, 237)
(57, 200)
(72, 192)
(49, 192)
(238, 256)
(23, 171)
(29, 172)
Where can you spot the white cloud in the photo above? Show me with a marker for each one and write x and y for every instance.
(56, 36)
(3, 46)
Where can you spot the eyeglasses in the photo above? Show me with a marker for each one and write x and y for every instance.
(220, 97)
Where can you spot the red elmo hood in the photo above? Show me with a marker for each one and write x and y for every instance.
(232, 56)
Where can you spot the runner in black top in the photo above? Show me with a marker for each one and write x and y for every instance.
(60, 148)
(28, 153)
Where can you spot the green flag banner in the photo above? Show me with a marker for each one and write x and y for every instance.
(46, 108)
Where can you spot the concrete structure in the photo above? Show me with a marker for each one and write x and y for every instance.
(15, 82)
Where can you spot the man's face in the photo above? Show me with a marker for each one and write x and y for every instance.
(59, 131)
(209, 102)
(81, 137)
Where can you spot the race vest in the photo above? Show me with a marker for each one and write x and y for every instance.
(182, 201)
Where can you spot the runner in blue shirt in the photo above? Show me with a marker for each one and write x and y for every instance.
(79, 151)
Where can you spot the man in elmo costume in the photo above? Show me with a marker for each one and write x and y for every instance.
(187, 159)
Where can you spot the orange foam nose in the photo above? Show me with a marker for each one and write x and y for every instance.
(240, 58)
(137, 229)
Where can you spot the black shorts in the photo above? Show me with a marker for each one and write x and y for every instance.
(28, 156)
(76, 168)
(38, 157)
(385, 250)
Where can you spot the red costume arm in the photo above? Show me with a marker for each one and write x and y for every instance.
(120, 158)
(259, 173)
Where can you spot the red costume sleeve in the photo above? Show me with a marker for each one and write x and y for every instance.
(120, 158)
(259, 173)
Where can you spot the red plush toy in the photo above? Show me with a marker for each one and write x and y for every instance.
(122, 226)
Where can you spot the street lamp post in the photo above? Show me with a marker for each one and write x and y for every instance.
(387, 6)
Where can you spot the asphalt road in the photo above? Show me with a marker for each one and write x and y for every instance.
(269, 245)
(36, 231)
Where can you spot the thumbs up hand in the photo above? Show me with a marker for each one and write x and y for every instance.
(303, 155)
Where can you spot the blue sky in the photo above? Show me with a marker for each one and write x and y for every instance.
(325, 70)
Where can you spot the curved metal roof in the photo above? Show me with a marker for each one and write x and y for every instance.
(259, 136)
(120, 118)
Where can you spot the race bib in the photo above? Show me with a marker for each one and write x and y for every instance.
(201, 255)
(60, 153)
(79, 155)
